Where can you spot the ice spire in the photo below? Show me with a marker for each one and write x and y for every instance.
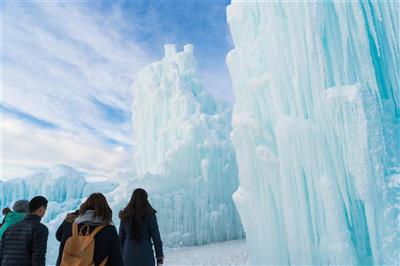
(183, 154)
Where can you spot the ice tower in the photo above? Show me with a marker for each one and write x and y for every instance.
(184, 157)
(316, 130)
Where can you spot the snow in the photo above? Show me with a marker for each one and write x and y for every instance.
(316, 130)
(224, 253)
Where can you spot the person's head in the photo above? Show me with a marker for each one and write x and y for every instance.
(136, 212)
(6, 211)
(21, 206)
(98, 203)
(38, 206)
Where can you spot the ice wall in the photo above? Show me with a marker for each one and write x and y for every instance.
(184, 157)
(316, 130)
(63, 186)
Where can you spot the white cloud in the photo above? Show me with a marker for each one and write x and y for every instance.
(28, 148)
(58, 57)
(72, 66)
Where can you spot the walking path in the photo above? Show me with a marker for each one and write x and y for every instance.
(225, 253)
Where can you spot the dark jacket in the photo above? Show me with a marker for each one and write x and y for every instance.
(106, 243)
(141, 253)
(10, 219)
(24, 243)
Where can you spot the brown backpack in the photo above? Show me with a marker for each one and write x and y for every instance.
(79, 248)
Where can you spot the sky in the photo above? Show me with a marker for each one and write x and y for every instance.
(68, 69)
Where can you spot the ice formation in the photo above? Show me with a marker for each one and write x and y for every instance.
(62, 185)
(184, 156)
(184, 159)
(316, 130)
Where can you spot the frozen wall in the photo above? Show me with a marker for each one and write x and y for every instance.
(64, 187)
(316, 130)
(184, 156)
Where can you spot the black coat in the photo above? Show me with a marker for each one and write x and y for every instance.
(24, 243)
(106, 243)
(141, 253)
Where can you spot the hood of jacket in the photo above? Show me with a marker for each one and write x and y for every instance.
(14, 217)
(11, 218)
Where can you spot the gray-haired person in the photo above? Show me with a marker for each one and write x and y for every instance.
(20, 209)
(25, 243)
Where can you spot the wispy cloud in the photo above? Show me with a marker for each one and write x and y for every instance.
(71, 70)
(58, 57)
(68, 68)
(28, 147)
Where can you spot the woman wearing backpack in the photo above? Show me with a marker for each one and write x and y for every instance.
(90, 238)
(137, 231)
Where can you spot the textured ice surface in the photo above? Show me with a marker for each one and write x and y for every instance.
(184, 157)
(316, 130)
(63, 186)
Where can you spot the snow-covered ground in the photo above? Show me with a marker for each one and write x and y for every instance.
(224, 253)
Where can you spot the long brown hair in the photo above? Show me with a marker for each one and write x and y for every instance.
(136, 212)
(98, 203)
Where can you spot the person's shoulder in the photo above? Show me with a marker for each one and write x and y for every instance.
(43, 227)
(105, 227)
(66, 223)
(107, 231)
(151, 214)
(36, 225)
(10, 228)
(16, 226)
(110, 227)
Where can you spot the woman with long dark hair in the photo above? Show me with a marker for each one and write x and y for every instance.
(93, 219)
(138, 232)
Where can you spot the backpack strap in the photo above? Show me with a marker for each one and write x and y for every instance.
(97, 229)
(74, 229)
(104, 262)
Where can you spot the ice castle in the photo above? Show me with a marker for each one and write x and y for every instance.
(184, 157)
(316, 130)
(312, 146)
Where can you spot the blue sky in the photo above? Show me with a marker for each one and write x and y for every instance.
(68, 68)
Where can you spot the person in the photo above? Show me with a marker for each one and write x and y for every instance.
(69, 219)
(137, 231)
(5, 211)
(25, 242)
(20, 209)
(96, 215)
